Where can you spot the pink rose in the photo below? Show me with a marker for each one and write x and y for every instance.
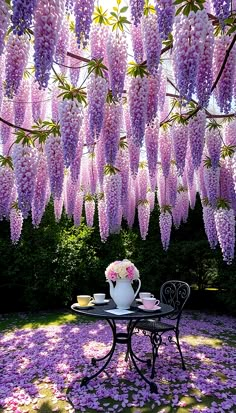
(112, 275)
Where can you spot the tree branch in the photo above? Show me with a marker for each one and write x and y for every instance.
(19, 127)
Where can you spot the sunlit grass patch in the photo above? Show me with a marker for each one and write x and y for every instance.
(194, 340)
(23, 320)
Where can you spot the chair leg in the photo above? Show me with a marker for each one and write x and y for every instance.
(179, 348)
(156, 341)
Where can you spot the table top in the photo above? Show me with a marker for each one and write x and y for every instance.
(99, 311)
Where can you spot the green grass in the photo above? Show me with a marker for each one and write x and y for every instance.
(32, 320)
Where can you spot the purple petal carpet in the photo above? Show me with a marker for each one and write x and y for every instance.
(55, 356)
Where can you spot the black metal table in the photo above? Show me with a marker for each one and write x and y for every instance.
(98, 311)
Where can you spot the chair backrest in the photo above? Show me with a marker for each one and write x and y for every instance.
(175, 293)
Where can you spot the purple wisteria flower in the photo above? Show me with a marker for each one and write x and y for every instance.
(83, 10)
(165, 223)
(22, 15)
(25, 168)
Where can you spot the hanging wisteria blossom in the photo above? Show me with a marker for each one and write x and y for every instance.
(20, 102)
(22, 15)
(225, 226)
(137, 42)
(62, 45)
(122, 163)
(209, 225)
(112, 198)
(143, 218)
(103, 220)
(136, 9)
(196, 132)
(165, 222)
(97, 89)
(54, 153)
(16, 224)
(121, 109)
(25, 164)
(205, 75)
(165, 151)
(179, 134)
(189, 37)
(153, 91)
(48, 15)
(165, 17)
(213, 144)
(89, 206)
(212, 184)
(83, 10)
(221, 9)
(78, 207)
(224, 88)
(151, 142)
(70, 114)
(74, 65)
(4, 22)
(151, 42)
(40, 190)
(17, 51)
(98, 39)
(137, 100)
(117, 62)
(6, 186)
(111, 131)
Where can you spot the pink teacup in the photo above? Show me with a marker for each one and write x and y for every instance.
(150, 302)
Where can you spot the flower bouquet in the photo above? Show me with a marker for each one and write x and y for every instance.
(119, 270)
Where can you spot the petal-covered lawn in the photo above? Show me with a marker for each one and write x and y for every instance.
(38, 365)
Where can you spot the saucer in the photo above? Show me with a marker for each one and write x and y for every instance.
(83, 307)
(156, 307)
(104, 302)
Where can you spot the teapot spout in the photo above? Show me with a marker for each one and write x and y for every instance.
(111, 288)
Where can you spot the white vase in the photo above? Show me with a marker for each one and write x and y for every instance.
(123, 293)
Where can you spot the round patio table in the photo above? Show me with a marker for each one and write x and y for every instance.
(132, 318)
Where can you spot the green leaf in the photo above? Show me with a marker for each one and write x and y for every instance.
(137, 70)
(228, 151)
(207, 162)
(187, 9)
(143, 202)
(6, 161)
(179, 2)
(110, 170)
(114, 14)
(232, 30)
(179, 10)
(124, 9)
(222, 203)
(123, 144)
(166, 208)
(213, 125)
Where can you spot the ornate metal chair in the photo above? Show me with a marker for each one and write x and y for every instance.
(174, 293)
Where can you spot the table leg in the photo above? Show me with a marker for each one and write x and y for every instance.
(153, 386)
(108, 356)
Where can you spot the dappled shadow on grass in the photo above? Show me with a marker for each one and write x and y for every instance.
(46, 408)
(36, 320)
(53, 357)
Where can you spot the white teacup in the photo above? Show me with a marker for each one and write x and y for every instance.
(84, 300)
(150, 302)
(99, 297)
(145, 295)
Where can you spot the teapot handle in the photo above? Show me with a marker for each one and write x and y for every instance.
(139, 286)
